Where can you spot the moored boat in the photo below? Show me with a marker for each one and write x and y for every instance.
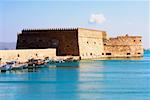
(18, 66)
(6, 67)
(36, 63)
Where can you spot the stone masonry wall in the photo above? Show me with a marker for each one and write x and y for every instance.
(86, 43)
(24, 55)
(90, 43)
(64, 40)
(123, 46)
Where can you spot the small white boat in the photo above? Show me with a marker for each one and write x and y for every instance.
(2, 65)
(6, 67)
(58, 61)
(47, 61)
(18, 66)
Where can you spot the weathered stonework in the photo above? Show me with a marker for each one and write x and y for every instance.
(90, 43)
(85, 43)
(24, 54)
(123, 46)
(64, 40)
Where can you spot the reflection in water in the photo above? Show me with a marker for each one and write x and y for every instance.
(67, 65)
(88, 77)
(33, 69)
(120, 58)
(84, 80)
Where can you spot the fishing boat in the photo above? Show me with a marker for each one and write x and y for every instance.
(57, 60)
(60, 61)
(47, 61)
(70, 59)
(31, 62)
(6, 67)
(40, 62)
(17, 66)
(36, 63)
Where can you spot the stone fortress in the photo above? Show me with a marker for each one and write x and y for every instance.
(85, 43)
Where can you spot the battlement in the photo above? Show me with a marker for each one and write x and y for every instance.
(49, 29)
(59, 29)
(127, 36)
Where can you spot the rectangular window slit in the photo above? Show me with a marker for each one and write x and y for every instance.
(128, 53)
(108, 53)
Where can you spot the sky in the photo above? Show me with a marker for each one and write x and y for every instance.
(116, 17)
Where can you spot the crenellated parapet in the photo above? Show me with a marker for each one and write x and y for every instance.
(48, 29)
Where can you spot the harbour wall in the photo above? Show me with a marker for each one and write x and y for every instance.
(23, 55)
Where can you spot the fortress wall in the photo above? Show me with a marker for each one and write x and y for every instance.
(82, 42)
(90, 43)
(24, 55)
(65, 41)
(124, 40)
(124, 46)
(123, 51)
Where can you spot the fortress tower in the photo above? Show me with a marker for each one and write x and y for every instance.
(86, 43)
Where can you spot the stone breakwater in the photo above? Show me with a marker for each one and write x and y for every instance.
(24, 55)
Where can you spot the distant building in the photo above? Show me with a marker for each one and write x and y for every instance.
(86, 43)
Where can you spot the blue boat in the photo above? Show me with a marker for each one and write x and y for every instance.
(6, 67)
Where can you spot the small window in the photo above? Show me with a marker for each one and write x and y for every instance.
(108, 53)
(134, 40)
(102, 53)
(18, 55)
(140, 40)
(128, 53)
(90, 53)
(104, 44)
(139, 53)
(36, 54)
(67, 45)
(87, 42)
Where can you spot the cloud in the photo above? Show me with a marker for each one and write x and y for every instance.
(97, 18)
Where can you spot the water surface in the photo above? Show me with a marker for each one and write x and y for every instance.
(84, 80)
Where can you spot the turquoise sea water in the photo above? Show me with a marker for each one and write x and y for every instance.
(84, 80)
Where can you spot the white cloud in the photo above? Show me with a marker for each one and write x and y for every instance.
(97, 18)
